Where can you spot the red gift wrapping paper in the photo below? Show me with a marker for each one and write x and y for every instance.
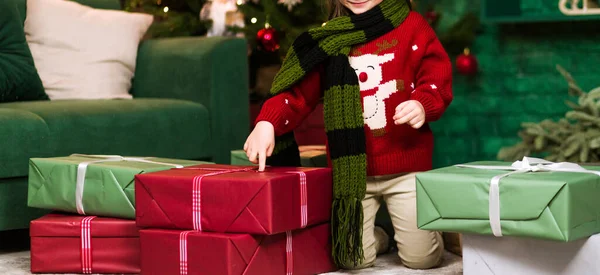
(84, 244)
(299, 252)
(234, 199)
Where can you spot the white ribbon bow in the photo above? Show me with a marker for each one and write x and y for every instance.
(82, 170)
(525, 166)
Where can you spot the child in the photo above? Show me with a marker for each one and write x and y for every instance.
(383, 76)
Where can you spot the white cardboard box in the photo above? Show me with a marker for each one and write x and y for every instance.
(489, 255)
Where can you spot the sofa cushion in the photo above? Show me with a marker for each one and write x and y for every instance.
(81, 52)
(138, 127)
(19, 79)
(24, 134)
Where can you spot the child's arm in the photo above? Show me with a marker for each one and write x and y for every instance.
(433, 87)
(287, 110)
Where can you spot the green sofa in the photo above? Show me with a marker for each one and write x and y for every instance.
(190, 102)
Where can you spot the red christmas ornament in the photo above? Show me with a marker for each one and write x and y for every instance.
(466, 63)
(268, 38)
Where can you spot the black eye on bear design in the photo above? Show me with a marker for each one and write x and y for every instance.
(372, 68)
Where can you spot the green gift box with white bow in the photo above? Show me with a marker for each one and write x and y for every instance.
(529, 198)
(95, 185)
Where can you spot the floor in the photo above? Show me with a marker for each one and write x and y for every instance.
(14, 260)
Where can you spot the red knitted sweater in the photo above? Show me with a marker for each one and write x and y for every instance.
(408, 63)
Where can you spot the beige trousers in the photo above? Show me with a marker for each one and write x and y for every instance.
(417, 249)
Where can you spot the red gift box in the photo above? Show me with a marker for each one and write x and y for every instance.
(84, 244)
(300, 252)
(234, 199)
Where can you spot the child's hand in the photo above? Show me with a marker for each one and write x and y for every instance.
(260, 143)
(410, 111)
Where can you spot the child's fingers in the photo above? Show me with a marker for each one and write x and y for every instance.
(252, 156)
(419, 124)
(413, 122)
(262, 159)
(246, 146)
(401, 106)
(406, 118)
(403, 112)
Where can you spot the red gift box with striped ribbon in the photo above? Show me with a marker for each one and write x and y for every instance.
(299, 252)
(84, 245)
(234, 199)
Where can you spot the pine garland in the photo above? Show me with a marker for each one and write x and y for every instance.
(574, 138)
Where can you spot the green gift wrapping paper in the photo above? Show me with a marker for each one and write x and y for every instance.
(238, 157)
(561, 206)
(108, 187)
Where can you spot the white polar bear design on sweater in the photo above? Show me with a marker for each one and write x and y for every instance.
(370, 75)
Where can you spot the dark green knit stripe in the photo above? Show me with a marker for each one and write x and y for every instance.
(394, 13)
(350, 182)
(291, 71)
(333, 44)
(335, 26)
(343, 108)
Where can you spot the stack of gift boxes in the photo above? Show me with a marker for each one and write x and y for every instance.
(163, 216)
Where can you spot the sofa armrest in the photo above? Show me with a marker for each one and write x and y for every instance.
(212, 71)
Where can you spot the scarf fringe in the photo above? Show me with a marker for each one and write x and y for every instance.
(347, 217)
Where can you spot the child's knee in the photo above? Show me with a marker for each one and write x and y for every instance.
(423, 261)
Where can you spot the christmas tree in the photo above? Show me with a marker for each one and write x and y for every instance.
(574, 138)
(286, 18)
(270, 28)
(172, 18)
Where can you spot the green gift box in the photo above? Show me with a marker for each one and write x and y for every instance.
(238, 157)
(530, 198)
(91, 185)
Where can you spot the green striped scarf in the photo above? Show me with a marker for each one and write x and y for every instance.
(330, 45)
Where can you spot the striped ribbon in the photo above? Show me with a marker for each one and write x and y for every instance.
(289, 255)
(196, 192)
(303, 199)
(183, 256)
(86, 245)
(183, 253)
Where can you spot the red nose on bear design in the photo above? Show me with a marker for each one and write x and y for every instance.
(363, 77)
